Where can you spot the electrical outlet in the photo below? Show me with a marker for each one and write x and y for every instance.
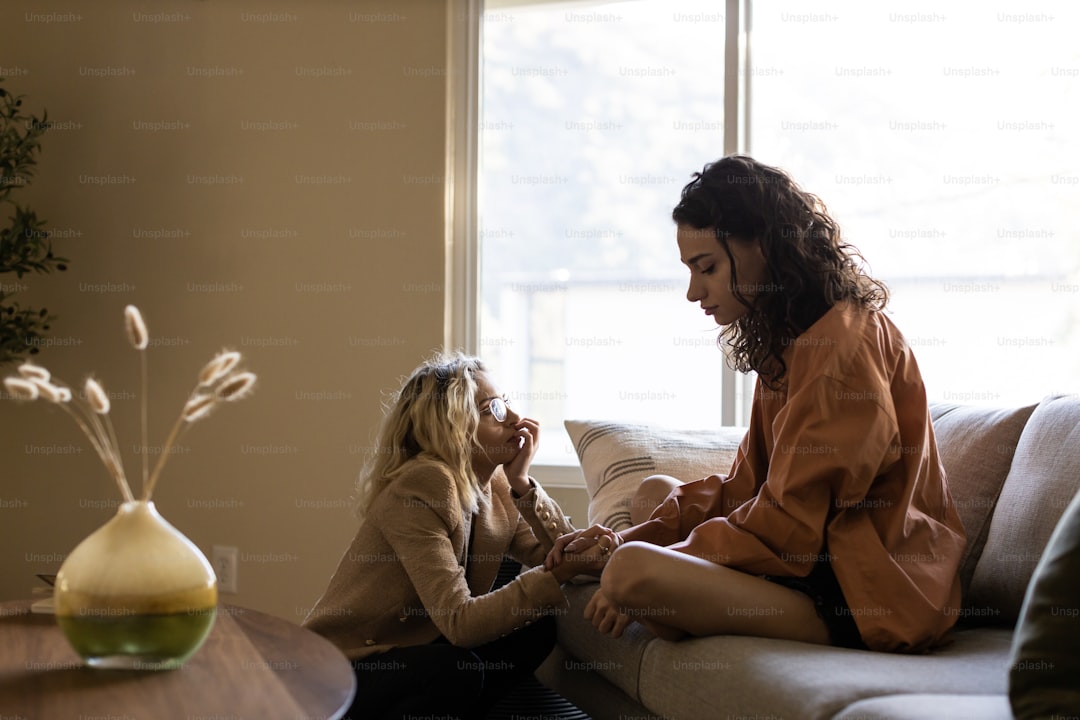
(225, 567)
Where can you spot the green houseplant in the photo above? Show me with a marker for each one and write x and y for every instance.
(24, 243)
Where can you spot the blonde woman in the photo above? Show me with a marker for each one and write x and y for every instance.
(446, 495)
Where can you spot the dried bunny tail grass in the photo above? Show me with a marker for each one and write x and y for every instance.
(136, 328)
(236, 387)
(32, 372)
(95, 395)
(218, 367)
(21, 389)
(198, 407)
(92, 417)
(140, 339)
(52, 393)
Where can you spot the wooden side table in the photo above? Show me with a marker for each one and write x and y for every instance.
(252, 665)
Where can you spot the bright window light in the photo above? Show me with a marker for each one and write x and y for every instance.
(941, 136)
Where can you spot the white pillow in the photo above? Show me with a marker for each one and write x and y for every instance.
(616, 457)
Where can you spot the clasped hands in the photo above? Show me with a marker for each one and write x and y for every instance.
(588, 551)
(591, 547)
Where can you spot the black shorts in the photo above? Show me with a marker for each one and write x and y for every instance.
(822, 587)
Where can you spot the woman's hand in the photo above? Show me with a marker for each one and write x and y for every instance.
(597, 541)
(555, 555)
(599, 536)
(590, 562)
(605, 615)
(527, 431)
(588, 549)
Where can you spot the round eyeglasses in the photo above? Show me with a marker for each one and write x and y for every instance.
(497, 408)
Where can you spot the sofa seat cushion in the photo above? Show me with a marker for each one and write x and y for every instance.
(1044, 477)
(783, 678)
(929, 707)
(692, 678)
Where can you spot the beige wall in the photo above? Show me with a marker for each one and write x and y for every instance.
(266, 180)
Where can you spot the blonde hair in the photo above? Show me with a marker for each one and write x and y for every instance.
(433, 417)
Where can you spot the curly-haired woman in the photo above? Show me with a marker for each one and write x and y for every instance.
(835, 523)
(446, 495)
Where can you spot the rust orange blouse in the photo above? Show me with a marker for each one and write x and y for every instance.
(841, 465)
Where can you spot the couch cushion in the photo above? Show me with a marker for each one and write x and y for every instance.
(929, 707)
(976, 446)
(690, 679)
(616, 457)
(1045, 665)
(1044, 476)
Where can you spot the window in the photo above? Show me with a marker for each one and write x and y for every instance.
(942, 139)
(592, 119)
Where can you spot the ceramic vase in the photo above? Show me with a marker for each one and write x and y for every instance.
(136, 593)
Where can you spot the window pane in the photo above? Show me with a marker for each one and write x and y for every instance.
(943, 138)
(592, 120)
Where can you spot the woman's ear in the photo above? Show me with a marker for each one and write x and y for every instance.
(759, 247)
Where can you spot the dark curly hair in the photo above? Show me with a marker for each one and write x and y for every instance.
(810, 267)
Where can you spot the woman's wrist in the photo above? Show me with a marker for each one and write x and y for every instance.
(521, 487)
(563, 572)
(568, 569)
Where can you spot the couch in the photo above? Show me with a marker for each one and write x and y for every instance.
(1012, 473)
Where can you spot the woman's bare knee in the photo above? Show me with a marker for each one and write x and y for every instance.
(627, 573)
(650, 493)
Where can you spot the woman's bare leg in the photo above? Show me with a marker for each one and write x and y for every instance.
(669, 589)
(652, 491)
